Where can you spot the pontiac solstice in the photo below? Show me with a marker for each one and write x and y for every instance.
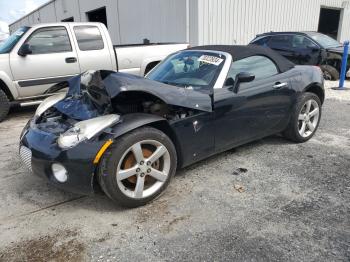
(127, 135)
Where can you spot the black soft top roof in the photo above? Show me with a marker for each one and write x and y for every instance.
(239, 52)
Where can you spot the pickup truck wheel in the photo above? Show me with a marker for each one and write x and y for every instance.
(305, 118)
(138, 167)
(329, 72)
(4, 105)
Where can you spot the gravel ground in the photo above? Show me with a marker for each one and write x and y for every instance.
(269, 200)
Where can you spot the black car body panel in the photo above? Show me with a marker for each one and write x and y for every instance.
(200, 123)
(45, 152)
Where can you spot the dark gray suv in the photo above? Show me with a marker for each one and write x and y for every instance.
(306, 48)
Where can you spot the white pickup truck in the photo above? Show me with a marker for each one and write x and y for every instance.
(35, 58)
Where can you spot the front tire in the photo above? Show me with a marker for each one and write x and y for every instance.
(138, 167)
(305, 118)
(4, 105)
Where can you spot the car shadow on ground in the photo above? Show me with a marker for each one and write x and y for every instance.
(18, 112)
(277, 140)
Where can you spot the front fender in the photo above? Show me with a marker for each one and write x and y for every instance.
(9, 84)
(130, 122)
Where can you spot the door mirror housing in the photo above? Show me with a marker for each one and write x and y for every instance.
(25, 50)
(243, 77)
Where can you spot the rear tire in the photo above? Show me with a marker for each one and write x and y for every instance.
(138, 167)
(305, 118)
(330, 73)
(4, 105)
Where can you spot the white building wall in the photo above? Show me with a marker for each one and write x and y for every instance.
(66, 9)
(129, 21)
(157, 20)
(48, 13)
(239, 21)
(209, 21)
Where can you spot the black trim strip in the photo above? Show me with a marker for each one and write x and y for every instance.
(44, 81)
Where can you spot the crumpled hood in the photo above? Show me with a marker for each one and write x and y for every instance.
(90, 94)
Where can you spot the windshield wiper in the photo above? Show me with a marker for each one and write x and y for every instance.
(174, 84)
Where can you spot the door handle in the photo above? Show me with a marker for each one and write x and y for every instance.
(70, 60)
(280, 85)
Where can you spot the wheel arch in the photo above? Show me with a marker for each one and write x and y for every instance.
(317, 89)
(6, 89)
(134, 121)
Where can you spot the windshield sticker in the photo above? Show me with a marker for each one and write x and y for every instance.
(211, 59)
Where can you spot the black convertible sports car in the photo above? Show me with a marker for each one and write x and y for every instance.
(127, 135)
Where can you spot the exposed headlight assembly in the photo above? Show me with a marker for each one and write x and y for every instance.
(85, 130)
(49, 102)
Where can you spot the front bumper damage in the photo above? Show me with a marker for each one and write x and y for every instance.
(39, 151)
(47, 138)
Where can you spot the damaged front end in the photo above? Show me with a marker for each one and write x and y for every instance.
(69, 129)
(107, 95)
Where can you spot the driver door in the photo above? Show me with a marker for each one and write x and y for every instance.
(53, 59)
(258, 109)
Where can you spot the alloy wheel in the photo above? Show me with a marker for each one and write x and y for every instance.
(143, 169)
(308, 118)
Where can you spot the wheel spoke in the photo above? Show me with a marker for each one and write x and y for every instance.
(160, 176)
(303, 127)
(139, 186)
(137, 150)
(314, 112)
(160, 151)
(310, 126)
(126, 173)
(308, 106)
(301, 117)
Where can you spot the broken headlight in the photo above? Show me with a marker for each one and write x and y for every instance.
(49, 102)
(85, 130)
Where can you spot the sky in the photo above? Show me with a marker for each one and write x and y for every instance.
(11, 10)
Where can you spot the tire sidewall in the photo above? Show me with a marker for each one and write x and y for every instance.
(4, 105)
(110, 162)
(332, 71)
(301, 102)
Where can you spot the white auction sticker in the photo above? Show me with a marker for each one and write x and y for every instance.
(210, 59)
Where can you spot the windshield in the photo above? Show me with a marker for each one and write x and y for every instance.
(190, 69)
(10, 42)
(325, 41)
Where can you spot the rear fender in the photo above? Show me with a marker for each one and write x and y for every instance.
(317, 89)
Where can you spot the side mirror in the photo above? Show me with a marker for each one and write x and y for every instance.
(25, 50)
(242, 77)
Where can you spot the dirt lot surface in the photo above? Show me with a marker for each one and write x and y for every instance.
(269, 200)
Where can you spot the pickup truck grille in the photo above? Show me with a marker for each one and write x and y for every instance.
(26, 157)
